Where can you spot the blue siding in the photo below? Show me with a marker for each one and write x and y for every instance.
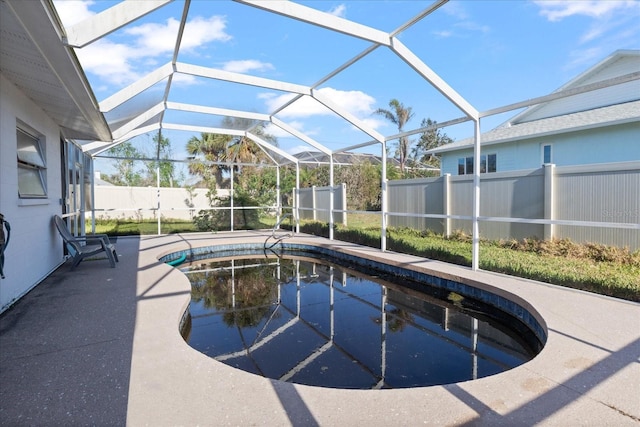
(618, 143)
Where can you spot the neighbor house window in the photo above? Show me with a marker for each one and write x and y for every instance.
(492, 161)
(469, 166)
(31, 166)
(546, 154)
(487, 164)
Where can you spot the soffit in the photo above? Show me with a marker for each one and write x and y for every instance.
(32, 58)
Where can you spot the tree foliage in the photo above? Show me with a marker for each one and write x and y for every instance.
(399, 115)
(429, 139)
(130, 171)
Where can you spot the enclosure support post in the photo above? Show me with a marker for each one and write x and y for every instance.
(278, 202)
(343, 202)
(158, 196)
(232, 195)
(331, 195)
(83, 197)
(383, 183)
(475, 248)
(158, 180)
(297, 198)
(93, 196)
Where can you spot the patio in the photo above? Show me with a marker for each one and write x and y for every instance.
(101, 346)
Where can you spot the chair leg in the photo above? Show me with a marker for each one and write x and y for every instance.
(76, 261)
(111, 256)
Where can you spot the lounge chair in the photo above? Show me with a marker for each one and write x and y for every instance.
(93, 244)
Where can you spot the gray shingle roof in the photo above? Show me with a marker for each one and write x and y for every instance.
(599, 117)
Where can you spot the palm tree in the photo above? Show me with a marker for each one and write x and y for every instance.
(210, 147)
(399, 115)
(226, 148)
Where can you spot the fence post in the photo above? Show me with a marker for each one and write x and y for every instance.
(549, 199)
(446, 202)
(313, 202)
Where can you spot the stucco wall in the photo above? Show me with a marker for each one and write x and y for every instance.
(35, 249)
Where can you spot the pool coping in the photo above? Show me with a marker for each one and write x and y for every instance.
(587, 372)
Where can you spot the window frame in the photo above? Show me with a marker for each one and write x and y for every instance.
(488, 164)
(32, 164)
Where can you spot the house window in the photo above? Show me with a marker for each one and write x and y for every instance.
(492, 162)
(488, 163)
(546, 154)
(31, 166)
(469, 166)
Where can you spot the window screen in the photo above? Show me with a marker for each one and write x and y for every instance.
(31, 166)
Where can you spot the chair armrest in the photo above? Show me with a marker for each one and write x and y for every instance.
(102, 238)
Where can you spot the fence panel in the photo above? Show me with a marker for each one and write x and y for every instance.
(142, 202)
(598, 193)
(318, 198)
(602, 195)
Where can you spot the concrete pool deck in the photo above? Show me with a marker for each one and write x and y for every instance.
(101, 346)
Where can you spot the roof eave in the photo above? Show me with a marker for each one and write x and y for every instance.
(40, 21)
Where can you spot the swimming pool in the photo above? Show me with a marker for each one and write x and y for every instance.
(298, 318)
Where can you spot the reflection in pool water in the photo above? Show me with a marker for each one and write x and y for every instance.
(311, 322)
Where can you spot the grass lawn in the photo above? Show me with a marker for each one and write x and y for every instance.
(595, 268)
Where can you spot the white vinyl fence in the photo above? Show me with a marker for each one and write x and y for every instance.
(142, 202)
(603, 193)
(314, 203)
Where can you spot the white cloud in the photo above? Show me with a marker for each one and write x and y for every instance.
(278, 132)
(121, 63)
(472, 26)
(580, 58)
(613, 25)
(463, 26)
(73, 11)
(556, 10)
(340, 11)
(443, 34)
(110, 61)
(243, 66)
(455, 9)
(201, 30)
(184, 79)
(154, 38)
(355, 102)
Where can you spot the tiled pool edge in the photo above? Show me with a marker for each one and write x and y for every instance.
(499, 299)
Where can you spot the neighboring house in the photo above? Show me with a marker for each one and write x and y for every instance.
(601, 126)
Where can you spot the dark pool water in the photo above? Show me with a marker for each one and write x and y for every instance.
(312, 322)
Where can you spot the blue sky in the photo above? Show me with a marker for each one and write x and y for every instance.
(492, 53)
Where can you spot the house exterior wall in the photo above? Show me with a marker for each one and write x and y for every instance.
(618, 143)
(35, 249)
